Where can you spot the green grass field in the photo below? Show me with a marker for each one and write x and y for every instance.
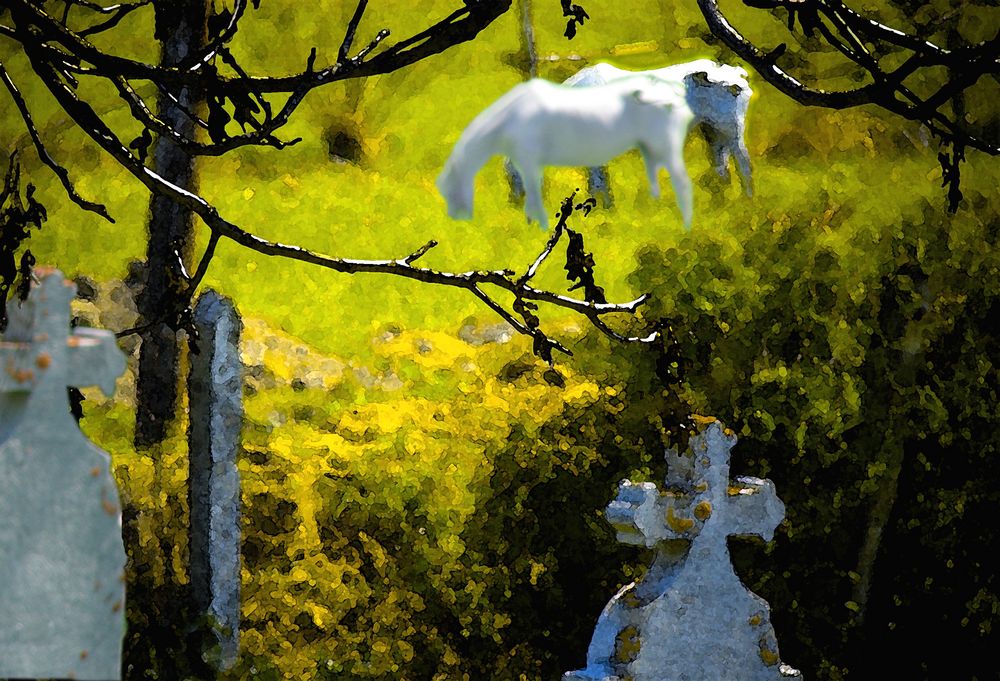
(407, 122)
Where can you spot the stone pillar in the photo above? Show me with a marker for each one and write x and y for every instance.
(62, 559)
(690, 618)
(216, 406)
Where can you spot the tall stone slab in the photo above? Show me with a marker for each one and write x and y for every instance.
(62, 559)
(216, 408)
(689, 618)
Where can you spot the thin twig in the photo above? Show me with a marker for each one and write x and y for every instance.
(352, 27)
(122, 12)
(564, 213)
(518, 325)
(43, 153)
(206, 259)
(611, 333)
(419, 253)
(205, 55)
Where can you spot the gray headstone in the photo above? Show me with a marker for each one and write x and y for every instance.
(689, 618)
(216, 405)
(62, 560)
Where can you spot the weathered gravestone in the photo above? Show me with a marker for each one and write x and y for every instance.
(216, 405)
(689, 618)
(62, 560)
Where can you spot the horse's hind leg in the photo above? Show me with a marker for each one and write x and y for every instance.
(599, 184)
(673, 161)
(718, 146)
(516, 185)
(652, 168)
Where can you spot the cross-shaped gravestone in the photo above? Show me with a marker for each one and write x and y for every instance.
(689, 618)
(62, 560)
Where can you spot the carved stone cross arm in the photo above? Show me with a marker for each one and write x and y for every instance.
(37, 341)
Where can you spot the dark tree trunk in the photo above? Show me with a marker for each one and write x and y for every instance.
(181, 28)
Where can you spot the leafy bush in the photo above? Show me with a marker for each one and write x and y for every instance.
(851, 342)
(410, 538)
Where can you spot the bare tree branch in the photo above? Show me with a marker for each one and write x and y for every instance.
(472, 281)
(209, 51)
(352, 27)
(59, 56)
(460, 26)
(887, 89)
(43, 153)
(118, 13)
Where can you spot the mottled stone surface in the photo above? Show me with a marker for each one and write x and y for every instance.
(216, 404)
(62, 560)
(689, 618)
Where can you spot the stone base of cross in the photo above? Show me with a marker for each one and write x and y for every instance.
(689, 618)
(62, 559)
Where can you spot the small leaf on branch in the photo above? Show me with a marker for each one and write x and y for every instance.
(217, 119)
(951, 175)
(541, 348)
(141, 144)
(25, 272)
(526, 309)
(244, 108)
(35, 213)
(576, 14)
(580, 268)
(588, 205)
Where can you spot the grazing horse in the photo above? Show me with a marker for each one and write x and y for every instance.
(719, 99)
(538, 124)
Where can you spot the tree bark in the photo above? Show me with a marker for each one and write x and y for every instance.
(181, 28)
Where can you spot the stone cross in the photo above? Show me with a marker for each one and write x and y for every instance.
(216, 405)
(62, 560)
(689, 618)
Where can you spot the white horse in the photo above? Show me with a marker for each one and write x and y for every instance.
(718, 95)
(538, 123)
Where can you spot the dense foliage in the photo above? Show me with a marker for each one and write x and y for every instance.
(852, 343)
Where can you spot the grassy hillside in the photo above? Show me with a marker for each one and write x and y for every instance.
(388, 205)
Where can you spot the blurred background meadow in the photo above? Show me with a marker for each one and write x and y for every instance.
(423, 498)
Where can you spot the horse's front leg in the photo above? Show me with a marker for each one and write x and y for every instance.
(674, 162)
(681, 183)
(652, 170)
(531, 178)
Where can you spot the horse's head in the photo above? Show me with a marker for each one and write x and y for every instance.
(457, 192)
